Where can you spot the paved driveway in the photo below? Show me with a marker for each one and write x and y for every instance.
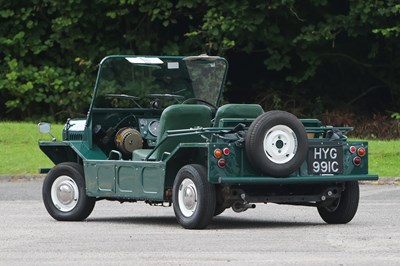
(137, 234)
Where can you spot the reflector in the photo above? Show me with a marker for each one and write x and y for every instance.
(361, 151)
(357, 161)
(217, 153)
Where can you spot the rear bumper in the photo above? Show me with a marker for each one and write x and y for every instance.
(294, 179)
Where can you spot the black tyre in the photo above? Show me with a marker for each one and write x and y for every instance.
(64, 195)
(343, 209)
(276, 143)
(193, 197)
(219, 209)
(219, 202)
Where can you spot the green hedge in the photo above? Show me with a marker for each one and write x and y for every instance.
(329, 52)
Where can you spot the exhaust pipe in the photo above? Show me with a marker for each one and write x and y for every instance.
(241, 207)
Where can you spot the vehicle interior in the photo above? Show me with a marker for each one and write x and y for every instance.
(137, 99)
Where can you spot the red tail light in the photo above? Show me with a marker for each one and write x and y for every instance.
(352, 149)
(226, 151)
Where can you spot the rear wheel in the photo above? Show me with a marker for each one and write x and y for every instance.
(193, 197)
(64, 195)
(344, 208)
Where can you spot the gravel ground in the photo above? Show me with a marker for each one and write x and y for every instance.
(21, 178)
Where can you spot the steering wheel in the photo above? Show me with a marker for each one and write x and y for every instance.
(166, 95)
(124, 96)
(156, 104)
(201, 101)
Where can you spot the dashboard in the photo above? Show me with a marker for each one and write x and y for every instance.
(149, 129)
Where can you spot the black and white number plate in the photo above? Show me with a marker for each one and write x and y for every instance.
(325, 158)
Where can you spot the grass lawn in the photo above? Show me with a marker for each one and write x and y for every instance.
(20, 154)
(19, 150)
(384, 158)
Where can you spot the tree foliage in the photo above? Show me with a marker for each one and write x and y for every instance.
(327, 52)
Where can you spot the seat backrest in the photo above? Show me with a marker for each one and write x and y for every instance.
(237, 111)
(181, 116)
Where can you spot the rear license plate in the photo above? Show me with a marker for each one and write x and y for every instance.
(325, 158)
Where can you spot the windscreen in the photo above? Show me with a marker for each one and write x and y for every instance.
(136, 82)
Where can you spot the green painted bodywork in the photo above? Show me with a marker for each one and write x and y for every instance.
(188, 133)
(239, 171)
(125, 179)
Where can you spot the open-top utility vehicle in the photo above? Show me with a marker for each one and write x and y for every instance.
(155, 132)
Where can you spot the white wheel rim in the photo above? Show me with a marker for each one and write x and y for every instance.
(187, 197)
(64, 193)
(280, 144)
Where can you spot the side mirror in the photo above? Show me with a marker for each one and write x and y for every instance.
(44, 128)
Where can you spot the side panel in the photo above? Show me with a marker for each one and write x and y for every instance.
(125, 179)
(106, 177)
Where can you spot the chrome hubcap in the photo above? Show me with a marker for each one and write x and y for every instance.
(64, 193)
(187, 197)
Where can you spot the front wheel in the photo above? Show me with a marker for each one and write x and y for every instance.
(64, 193)
(193, 197)
(344, 208)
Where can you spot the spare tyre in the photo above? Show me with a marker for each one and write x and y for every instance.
(276, 143)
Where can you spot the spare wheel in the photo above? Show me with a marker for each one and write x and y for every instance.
(276, 143)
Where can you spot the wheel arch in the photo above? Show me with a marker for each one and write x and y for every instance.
(181, 157)
(59, 152)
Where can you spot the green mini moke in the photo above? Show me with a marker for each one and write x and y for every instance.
(156, 132)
